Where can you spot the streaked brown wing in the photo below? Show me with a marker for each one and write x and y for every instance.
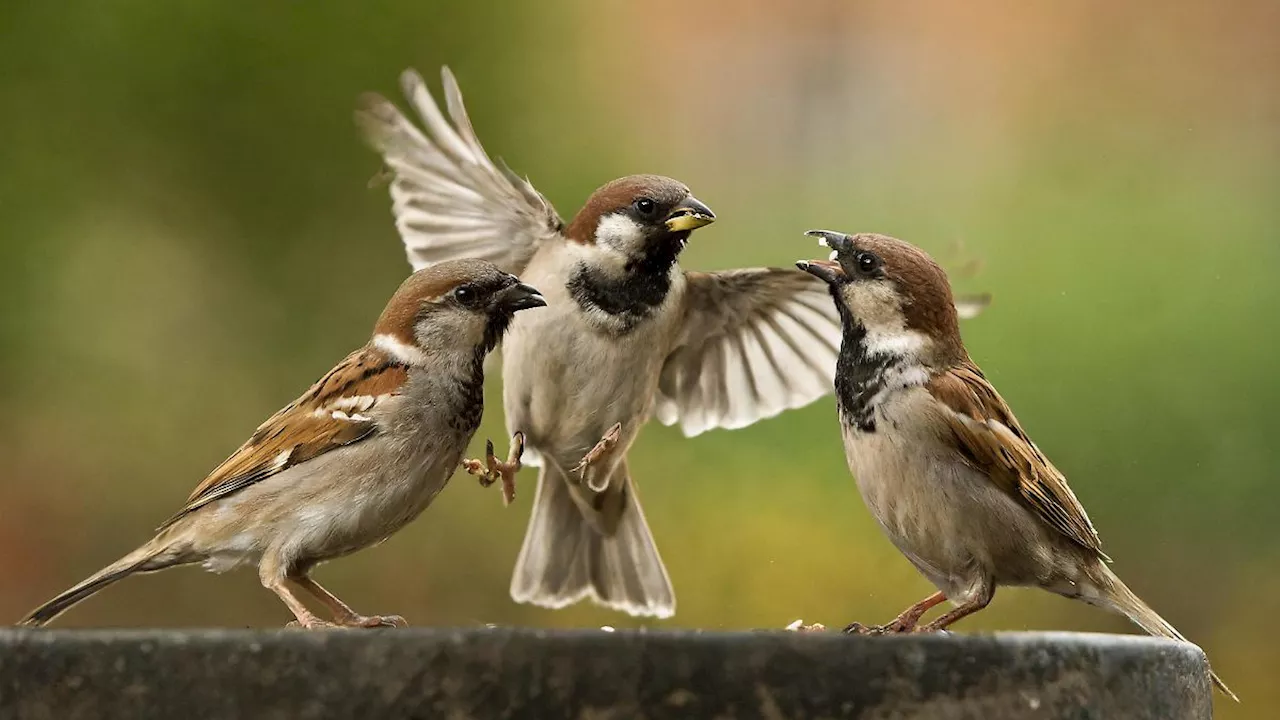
(993, 442)
(333, 413)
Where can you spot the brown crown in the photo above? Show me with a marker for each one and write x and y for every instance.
(618, 194)
(927, 302)
(427, 284)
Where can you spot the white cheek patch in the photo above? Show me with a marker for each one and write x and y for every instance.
(878, 308)
(402, 352)
(619, 232)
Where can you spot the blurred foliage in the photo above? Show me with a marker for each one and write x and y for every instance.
(189, 240)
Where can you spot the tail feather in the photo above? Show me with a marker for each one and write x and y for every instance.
(566, 557)
(144, 559)
(1118, 597)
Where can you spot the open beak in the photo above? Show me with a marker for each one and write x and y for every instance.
(828, 271)
(521, 297)
(825, 270)
(690, 215)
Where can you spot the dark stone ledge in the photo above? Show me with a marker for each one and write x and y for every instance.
(505, 673)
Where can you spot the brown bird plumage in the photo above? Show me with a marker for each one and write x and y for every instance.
(939, 458)
(351, 461)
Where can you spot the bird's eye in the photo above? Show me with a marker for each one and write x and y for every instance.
(465, 294)
(867, 262)
(645, 206)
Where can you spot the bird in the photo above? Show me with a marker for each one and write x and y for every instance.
(939, 458)
(354, 459)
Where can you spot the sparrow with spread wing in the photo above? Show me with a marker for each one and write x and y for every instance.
(353, 460)
(627, 335)
(939, 458)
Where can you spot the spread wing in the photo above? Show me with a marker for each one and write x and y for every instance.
(992, 441)
(335, 412)
(754, 343)
(449, 199)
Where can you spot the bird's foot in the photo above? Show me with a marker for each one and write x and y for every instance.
(894, 627)
(310, 622)
(493, 469)
(602, 448)
(373, 621)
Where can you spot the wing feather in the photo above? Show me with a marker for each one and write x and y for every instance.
(992, 441)
(450, 200)
(333, 413)
(754, 343)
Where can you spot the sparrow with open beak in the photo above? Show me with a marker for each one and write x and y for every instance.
(353, 460)
(627, 335)
(939, 458)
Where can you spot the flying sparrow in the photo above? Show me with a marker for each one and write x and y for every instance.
(353, 460)
(938, 456)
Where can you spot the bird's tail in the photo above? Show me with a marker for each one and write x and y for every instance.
(1117, 597)
(148, 558)
(569, 554)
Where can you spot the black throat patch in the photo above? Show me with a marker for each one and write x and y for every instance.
(860, 378)
(629, 298)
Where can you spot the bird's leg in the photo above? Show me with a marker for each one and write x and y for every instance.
(343, 615)
(905, 622)
(598, 453)
(305, 618)
(909, 618)
(492, 468)
(965, 609)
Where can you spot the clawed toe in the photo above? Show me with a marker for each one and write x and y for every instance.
(377, 621)
(354, 622)
(857, 628)
(606, 444)
(890, 628)
(311, 623)
(492, 469)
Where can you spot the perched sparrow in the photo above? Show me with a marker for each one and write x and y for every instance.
(353, 460)
(938, 456)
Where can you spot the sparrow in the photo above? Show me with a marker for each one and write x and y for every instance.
(939, 458)
(354, 459)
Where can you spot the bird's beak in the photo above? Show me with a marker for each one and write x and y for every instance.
(521, 297)
(825, 270)
(837, 241)
(828, 271)
(690, 215)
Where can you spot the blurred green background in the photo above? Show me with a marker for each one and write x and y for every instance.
(188, 240)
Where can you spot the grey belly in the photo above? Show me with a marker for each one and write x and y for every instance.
(565, 387)
(958, 528)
